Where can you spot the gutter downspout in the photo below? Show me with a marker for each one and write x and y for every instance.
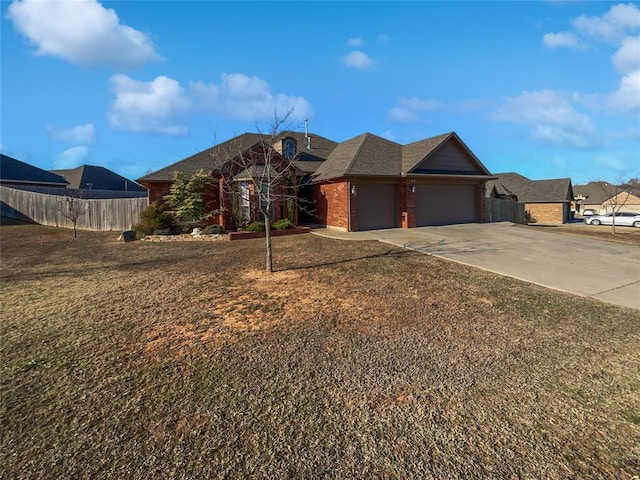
(349, 206)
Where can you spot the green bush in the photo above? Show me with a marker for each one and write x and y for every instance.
(283, 224)
(255, 227)
(154, 218)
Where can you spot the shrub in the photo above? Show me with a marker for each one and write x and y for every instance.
(529, 218)
(213, 230)
(283, 224)
(255, 227)
(154, 218)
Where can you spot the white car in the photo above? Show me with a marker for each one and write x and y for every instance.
(623, 219)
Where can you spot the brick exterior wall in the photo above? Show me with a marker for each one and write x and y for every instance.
(546, 212)
(481, 204)
(407, 203)
(157, 191)
(332, 204)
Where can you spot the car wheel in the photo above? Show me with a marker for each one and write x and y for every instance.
(636, 224)
(595, 221)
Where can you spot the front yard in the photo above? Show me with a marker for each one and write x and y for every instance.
(353, 360)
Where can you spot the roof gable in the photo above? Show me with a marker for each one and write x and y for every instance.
(13, 170)
(443, 154)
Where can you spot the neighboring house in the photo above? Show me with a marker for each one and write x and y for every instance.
(90, 177)
(604, 197)
(14, 173)
(547, 201)
(364, 183)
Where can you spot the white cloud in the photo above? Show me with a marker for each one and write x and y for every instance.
(157, 106)
(245, 98)
(359, 60)
(627, 58)
(79, 135)
(419, 104)
(161, 105)
(71, 158)
(383, 38)
(613, 25)
(553, 119)
(627, 98)
(563, 39)
(82, 32)
(408, 109)
(403, 115)
(355, 42)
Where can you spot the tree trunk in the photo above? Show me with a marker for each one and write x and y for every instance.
(267, 236)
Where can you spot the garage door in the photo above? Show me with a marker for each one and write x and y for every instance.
(445, 204)
(377, 206)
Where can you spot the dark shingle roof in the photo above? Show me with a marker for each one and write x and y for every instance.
(596, 193)
(366, 154)
(98, 178)
(204, 160)
(12, 170)
(308, 160)
(554, 190)
(370, 155)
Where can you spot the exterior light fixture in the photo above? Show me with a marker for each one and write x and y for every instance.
(353, 190)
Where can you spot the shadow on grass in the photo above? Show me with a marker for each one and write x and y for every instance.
(396, 252)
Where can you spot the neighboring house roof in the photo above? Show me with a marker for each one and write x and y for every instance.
(15, 171)
(370, 155)
(98, 178)
(556, 190)
(596, 193)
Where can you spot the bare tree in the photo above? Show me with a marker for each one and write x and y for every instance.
(72, 208)
(616, 196)
(262, 177)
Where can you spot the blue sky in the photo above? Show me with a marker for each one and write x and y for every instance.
(546, 89)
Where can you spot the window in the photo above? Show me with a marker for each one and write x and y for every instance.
(289, 148)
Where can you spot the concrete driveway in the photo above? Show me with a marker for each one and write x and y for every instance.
(592, 268)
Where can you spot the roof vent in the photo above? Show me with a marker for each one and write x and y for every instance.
(306, 133)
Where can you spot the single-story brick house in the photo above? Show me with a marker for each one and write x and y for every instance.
(364, 183)
(548, 201)
(602, 197)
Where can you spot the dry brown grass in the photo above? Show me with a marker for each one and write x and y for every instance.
(354, 360)
(626, 235)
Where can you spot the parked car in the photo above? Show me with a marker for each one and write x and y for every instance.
(623, 219)
(588, 212)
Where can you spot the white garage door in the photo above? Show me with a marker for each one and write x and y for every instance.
(377, 205)
(445, 204)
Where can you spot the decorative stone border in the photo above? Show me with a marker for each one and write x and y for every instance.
(274, 233)
(184, 237)
(187, 237)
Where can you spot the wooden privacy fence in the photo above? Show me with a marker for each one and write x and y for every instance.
(96, 214)
(499, 210)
